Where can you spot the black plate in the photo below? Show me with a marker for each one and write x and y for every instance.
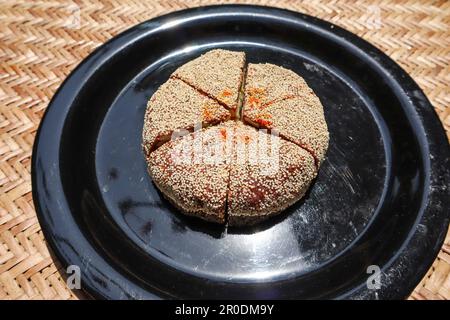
(380, 199)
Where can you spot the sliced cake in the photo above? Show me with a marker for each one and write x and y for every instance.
(266, 83)
(267, 175)
(177, 106)
(192, 172)
(228, 149)
(278, 99)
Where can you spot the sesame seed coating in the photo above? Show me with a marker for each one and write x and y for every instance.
(193, 172)
(289, 106)
(218, 73)
(298, 121)
(267, 175)
(267, 83)
(174, 106)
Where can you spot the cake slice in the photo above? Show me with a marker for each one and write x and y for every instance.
(177, 106)
(218, 74)
(192, 172)
(279, 99)
(296, 120)
(267, 83)
(267, 175)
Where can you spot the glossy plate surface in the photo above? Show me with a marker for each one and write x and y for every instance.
(380, 198)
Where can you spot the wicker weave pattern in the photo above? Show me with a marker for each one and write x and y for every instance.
(42, 41)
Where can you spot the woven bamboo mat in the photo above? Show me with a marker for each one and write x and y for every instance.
(42, 41)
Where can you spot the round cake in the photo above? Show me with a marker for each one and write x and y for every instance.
(231, 142)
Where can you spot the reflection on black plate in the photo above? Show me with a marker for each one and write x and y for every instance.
(380, 197)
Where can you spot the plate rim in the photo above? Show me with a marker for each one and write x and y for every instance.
(436, 141)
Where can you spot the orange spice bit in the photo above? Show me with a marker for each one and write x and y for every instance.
(265, 116)
(257, 91)
(263, 119)
(255, 97)
(226, 93)
(263, 122)
(207, 112)
(253, 101)
(269, 103)
(245, 138)
(223, 133)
